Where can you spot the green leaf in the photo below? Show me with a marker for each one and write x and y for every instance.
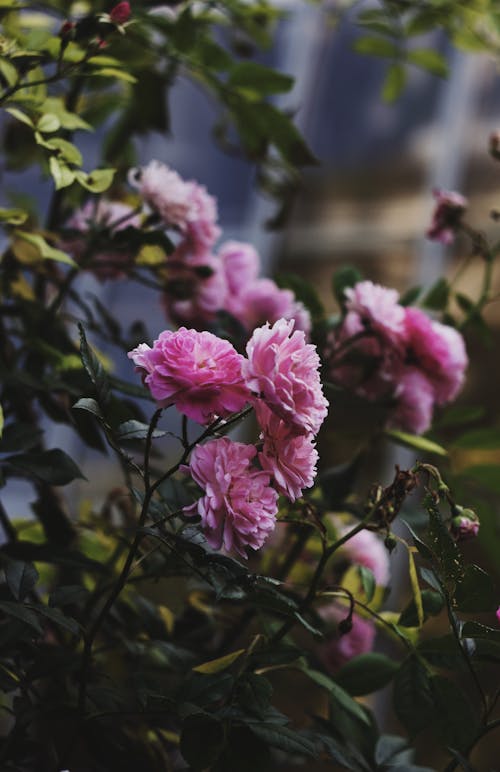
(46, 251)
(20, 577)
(415, 586)
(221, 663)
(460, 414)
(475, 591)
(376, 46)
(438, 296)
(338, 695)
(48, 123)
(19, 436)
(62, 175)
(136, 430)
(65, 150)
(455, 718)
(416, 442)
(67, 119)
(288, 740)
(343, 279)
(394, 83)
(115, 73)
(432, 604)
(202, 740)
(20, 116)
(52, 466)
(366, 673)
(368, 582)
(413, 701)
(57, 617)
(8, 72)
(255, 77)
(97, 181)
(23, 614)
(94, 368)
(90, 405)
(13, 216)
(430, 60)
(304, 292)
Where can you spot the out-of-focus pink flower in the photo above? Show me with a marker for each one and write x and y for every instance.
(120, 13)
(202, 230)
(166, 192)
(195, 290)
(289, 458)
(283, 370)
(465, 524)
(198, 372)
(241, 264)
(497, 613)
(365, 549)
(238, 508)
(339, 649)
(113, 216)
(414, 397)
(439, 351)
(263, 301)
(447, 215)
(373, 308)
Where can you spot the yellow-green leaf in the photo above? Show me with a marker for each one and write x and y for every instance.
(221, 663)
(46, 251)
(20, 116)
(416, 442)
(417, 594)
(114, 72)
(13, 216)
(97, 181)
(48, 123)
(62, 175)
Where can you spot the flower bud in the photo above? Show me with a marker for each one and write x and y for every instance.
(390, 543)
(345, 626)
(120, 13)
(66, 30)
(464, 524)
(447, 216)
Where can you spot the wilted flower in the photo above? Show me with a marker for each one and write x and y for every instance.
(447, 215)
(282, 370)
(238, 508)
(198, 372)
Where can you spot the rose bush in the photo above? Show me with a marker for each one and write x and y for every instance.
(229, 599)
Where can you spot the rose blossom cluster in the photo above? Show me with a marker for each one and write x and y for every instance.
(208, 381)
(199, 281)
(395, 355)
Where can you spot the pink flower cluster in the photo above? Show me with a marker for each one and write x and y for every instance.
(207, 379)
(396, 355)
(108, 217)
(200, 282)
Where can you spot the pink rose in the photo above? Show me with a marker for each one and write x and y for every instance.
(283, 371)
(341, 648)
(241, 264)
(166, 192)
(195, 290)
(365, 549)
(197, 372)
(439, 351)
(374, 308)
(447, 215)
(263, 301)
(414, 397)
(289, 458)
(238, 508)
